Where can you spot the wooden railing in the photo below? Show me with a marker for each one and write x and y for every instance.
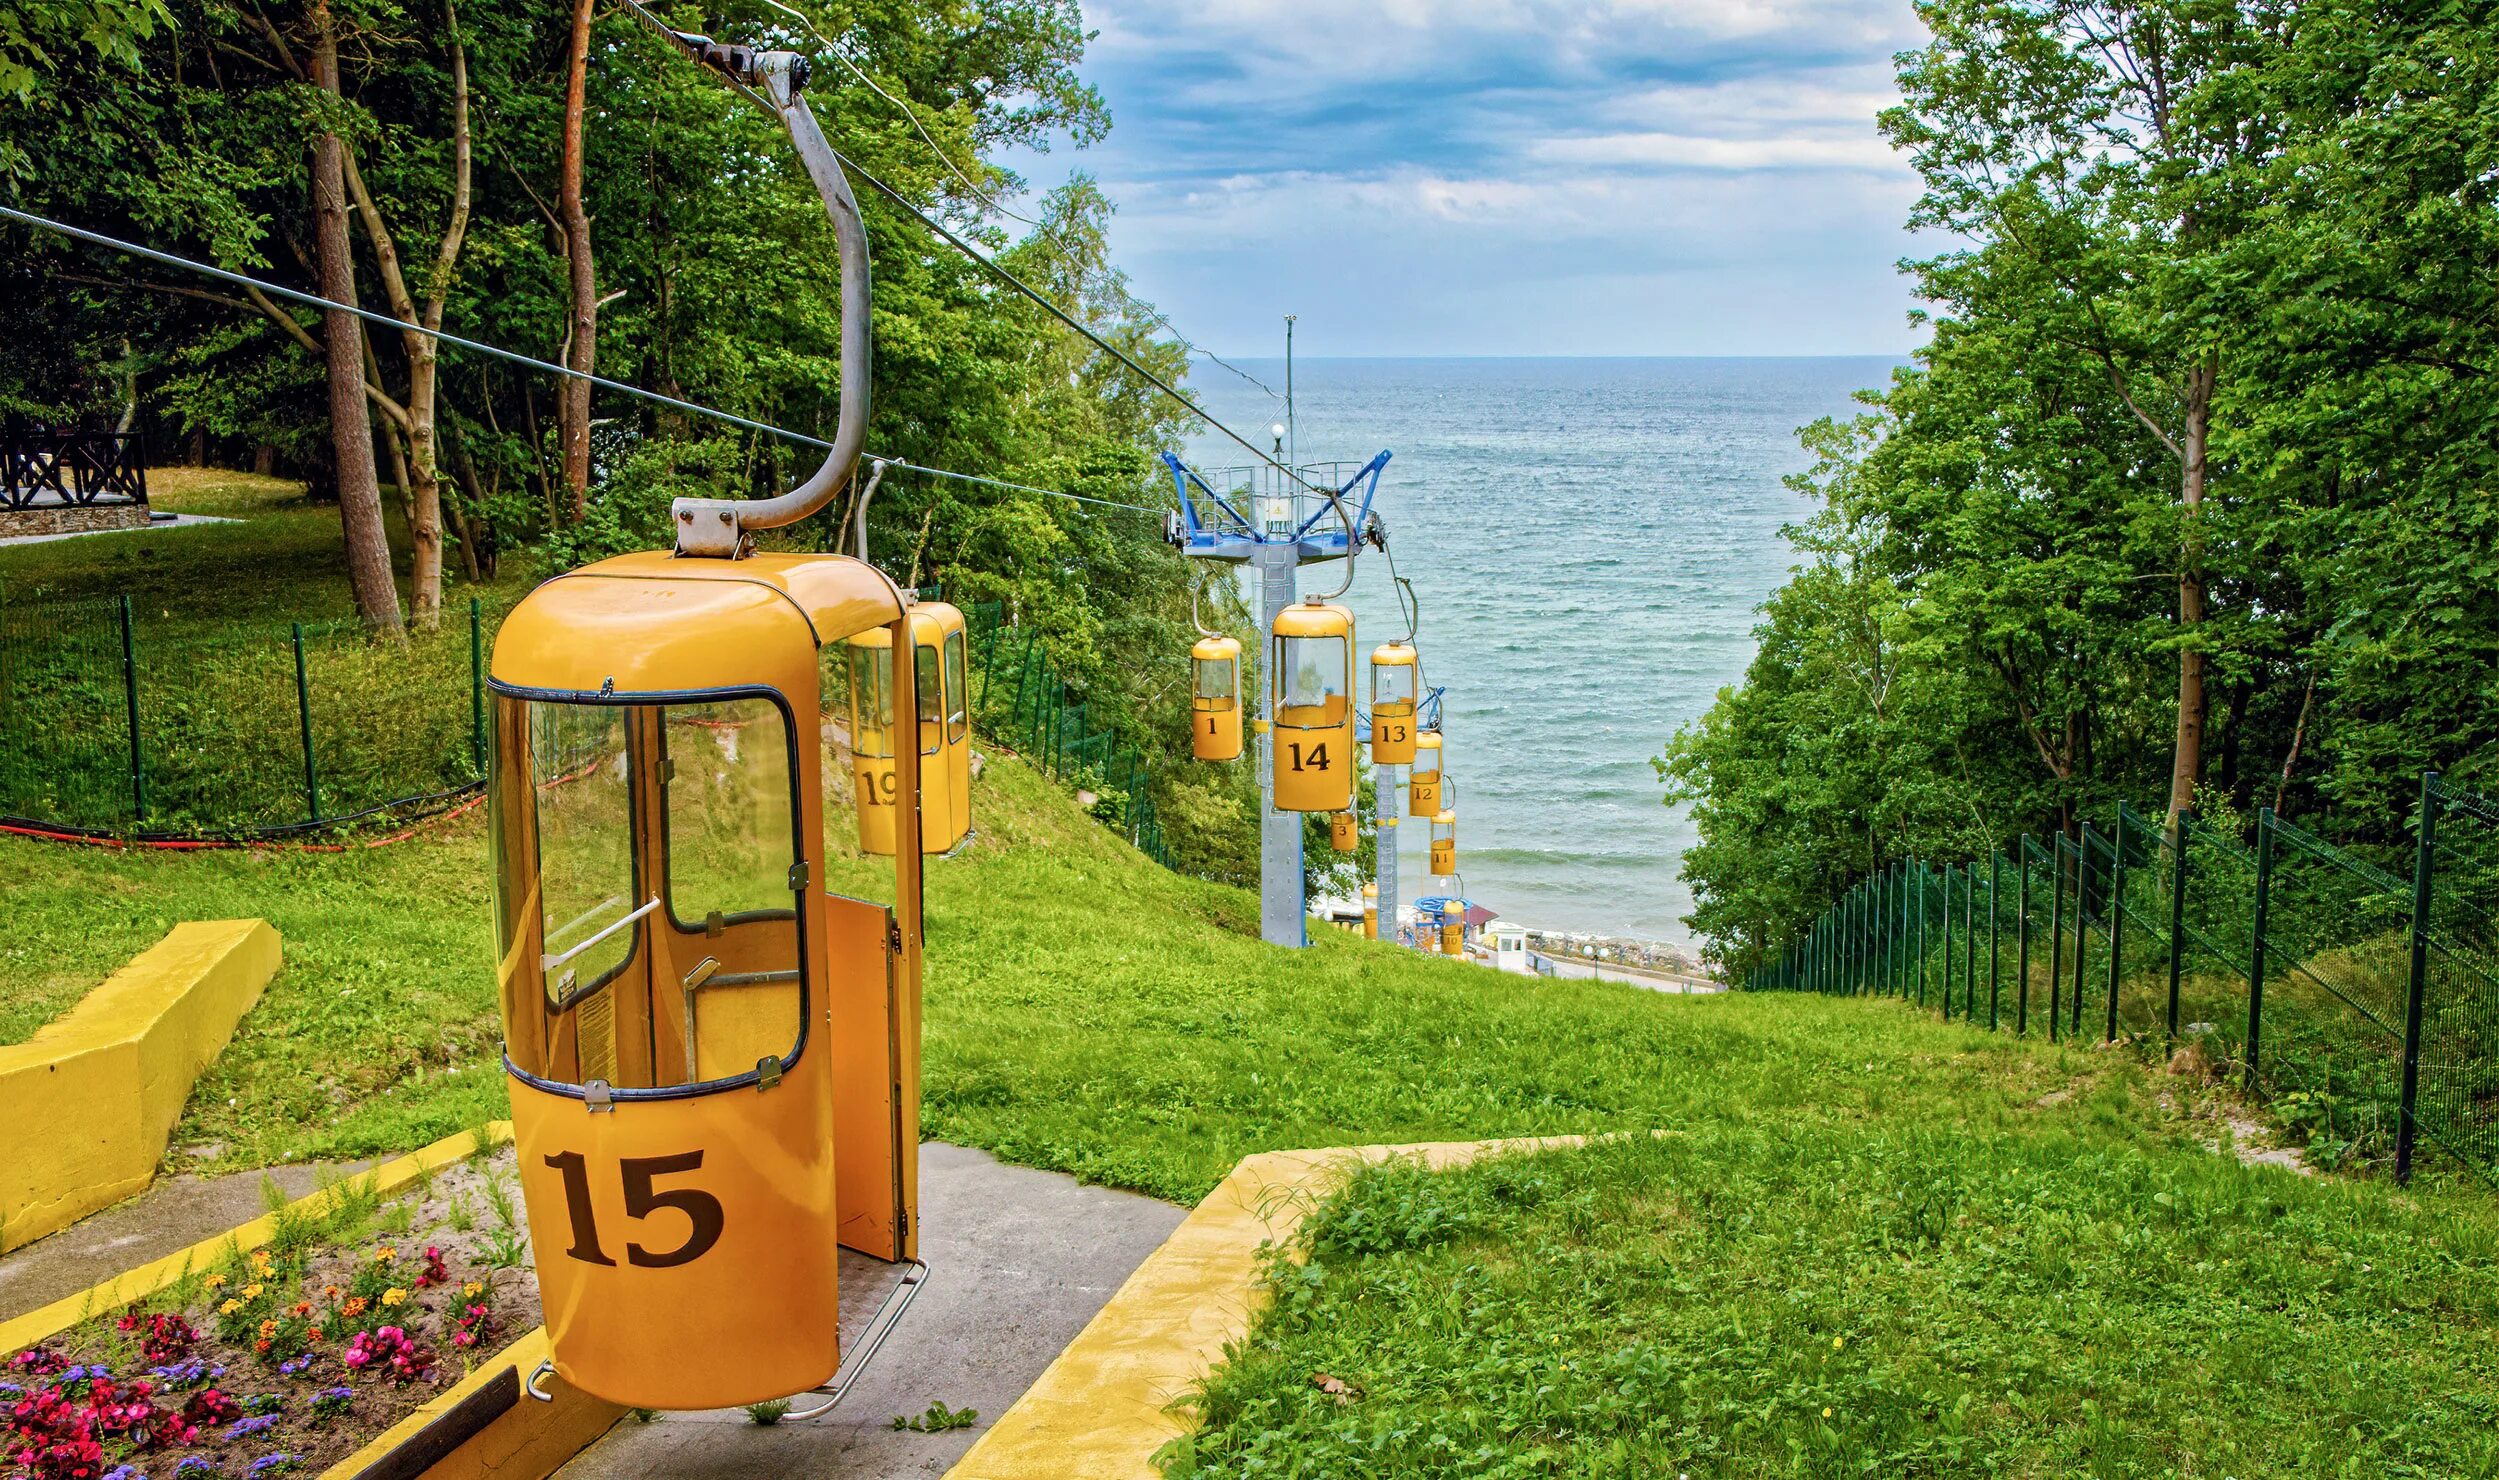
(41, 467)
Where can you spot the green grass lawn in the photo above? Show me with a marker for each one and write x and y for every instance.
(2031, 1263)
(1960, 1283)
(279, 562)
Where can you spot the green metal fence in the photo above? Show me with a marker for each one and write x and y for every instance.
(2358, 995)
(117, 721)
(1019, 698)
(122, 723)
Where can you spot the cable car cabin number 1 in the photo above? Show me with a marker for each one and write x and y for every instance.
(1313, 679)
(1215, 699)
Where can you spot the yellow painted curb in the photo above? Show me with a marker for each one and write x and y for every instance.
(1103, 1407)
(147, 1279)
(88, 1101)
(519, 1438)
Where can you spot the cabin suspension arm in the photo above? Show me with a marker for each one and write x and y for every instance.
(721, 529)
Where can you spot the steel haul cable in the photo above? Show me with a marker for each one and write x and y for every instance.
(314, 300)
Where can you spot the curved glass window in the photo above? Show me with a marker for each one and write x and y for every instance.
(582, 776)
(1392, 683)
(648, 863)
(728, 789)
(1217, 683)
(958, 692)
(1310, 680)
(931, 696)
(871, 700)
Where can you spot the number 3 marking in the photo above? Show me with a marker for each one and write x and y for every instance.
(639, 1173)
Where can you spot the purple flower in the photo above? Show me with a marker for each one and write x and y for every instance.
(244, 1428)
(197, 1464)
(185, 1374)
(125, 1472)
(293, 1365)
(271, 1463)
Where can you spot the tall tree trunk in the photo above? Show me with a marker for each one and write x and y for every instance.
(2187, 761)
(581, 348)
(393, 444)
(423, 481)
(351, 436)
(478, 563)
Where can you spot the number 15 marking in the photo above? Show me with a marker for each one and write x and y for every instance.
(642, 1198)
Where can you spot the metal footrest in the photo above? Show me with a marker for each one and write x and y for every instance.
(888, 1316)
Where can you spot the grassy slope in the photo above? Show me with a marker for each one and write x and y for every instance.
(2032, 1265)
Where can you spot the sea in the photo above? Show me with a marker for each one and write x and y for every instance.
(1591, 540)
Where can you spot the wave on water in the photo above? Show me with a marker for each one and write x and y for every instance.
(1591, 539)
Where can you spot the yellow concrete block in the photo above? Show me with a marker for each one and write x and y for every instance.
(86, 1104)
(528, 1440)
(1104, 1406)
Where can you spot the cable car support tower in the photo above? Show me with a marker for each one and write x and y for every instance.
(1274, 519)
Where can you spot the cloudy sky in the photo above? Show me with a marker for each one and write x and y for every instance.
(1435, 177)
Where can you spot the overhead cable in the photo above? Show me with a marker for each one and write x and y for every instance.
(315, 300)
(1048, 232)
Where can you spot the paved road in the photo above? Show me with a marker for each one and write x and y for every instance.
(1019, 1261)
(1582, 969)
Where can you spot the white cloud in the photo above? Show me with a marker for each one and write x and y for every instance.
(1508, 176)
(1688, 151)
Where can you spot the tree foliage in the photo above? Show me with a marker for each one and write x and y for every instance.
(2289, 211)
(188, 124)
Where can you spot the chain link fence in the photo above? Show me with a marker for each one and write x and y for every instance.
(2357, 995)
(1019, 697)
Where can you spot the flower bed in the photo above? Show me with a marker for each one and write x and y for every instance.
(289, 1357)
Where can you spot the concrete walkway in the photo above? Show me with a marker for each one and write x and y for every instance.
(1019, 1261)
(160, 521)
(172, 1215)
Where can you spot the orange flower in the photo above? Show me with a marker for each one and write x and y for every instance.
(315, 1333)
(260, 1346)
(353, 1308)
(303, 1307)
(268, 1328)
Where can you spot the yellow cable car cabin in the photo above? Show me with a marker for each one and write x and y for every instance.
(713, 1059)
(1423, 777)
(1394, 676)
(1453, 934)
(1444, 845)
(1344, 833)
(1215, 699)
(1313, 689)
(944, 708)
(1370, 912)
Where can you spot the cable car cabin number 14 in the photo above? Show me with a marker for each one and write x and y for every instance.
(1313, 684)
